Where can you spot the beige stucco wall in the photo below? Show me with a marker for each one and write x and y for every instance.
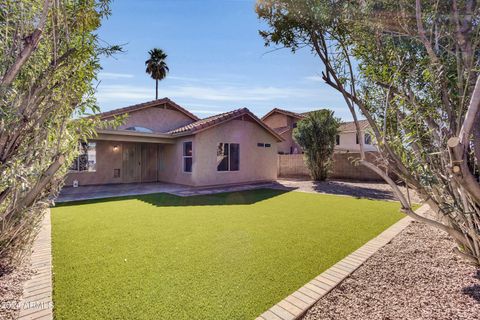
(107, 160)
(276, 120)
(157, 119)
(288, 144)
(279, 120)
(348, 142)
(171, 162)
(256, 163)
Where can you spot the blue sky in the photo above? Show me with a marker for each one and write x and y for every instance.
(218, 61)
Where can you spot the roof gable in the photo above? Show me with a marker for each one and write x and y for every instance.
(213, 121)
(350, 126)
(284, 112)
(167, 103)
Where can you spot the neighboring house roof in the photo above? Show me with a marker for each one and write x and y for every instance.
(215, 120)
(285, 112)
(282, 130)
(149, 104)
(350, 126)
(344, 127)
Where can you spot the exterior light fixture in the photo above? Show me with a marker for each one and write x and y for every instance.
(115, 148)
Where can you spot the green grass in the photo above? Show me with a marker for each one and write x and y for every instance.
(224, 256)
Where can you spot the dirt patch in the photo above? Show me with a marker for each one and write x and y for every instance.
(416, 276)
(11, 288)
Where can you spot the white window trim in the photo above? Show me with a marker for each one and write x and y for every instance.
(184, 157)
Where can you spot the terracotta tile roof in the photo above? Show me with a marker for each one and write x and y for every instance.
(350, 126)
(281, 130)
(148, 104)
(285, 112)
(212, 121)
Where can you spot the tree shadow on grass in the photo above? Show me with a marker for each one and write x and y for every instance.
(169, 200)
(353, 190)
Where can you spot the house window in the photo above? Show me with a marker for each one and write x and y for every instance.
(337, 139)
(368, 138)
(294, 125)
(356, 139)
(87, 159)
(228, 157)
(187, 156)
(264, 145)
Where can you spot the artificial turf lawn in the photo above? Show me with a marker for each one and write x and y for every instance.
(224, 256)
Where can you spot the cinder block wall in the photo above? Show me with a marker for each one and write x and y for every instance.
(293, 165)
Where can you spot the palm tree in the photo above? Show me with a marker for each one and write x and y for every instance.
(156, 66)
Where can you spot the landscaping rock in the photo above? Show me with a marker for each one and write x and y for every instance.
(11, 288)
(416, 276)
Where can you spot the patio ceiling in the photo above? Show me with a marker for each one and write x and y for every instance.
(134, 136)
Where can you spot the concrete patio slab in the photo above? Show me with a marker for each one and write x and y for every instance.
(69, 194)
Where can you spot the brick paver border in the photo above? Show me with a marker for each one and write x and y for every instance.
(37, 292)
(296, 304)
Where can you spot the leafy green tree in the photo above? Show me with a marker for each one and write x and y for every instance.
(49, 60)
(157, 67)
(316, 135)
(411, 69)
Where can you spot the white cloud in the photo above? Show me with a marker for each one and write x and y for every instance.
(238, 94)
(207, 99)
(188, 79)
(114, 75)
(112, 93)
(316, 78)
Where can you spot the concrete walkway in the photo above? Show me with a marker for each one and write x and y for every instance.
(37, 300)
(359, 189)
(296, 304)
(132, 189)
(380, 191)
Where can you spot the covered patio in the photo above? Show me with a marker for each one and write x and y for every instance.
(120, 156)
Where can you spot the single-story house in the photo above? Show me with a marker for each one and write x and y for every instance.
(162, 141)
(283, 122)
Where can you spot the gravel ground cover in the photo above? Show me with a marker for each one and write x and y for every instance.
(416, 276)
(11, 288)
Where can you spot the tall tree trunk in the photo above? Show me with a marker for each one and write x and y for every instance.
(156, 89)
(476, 138)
